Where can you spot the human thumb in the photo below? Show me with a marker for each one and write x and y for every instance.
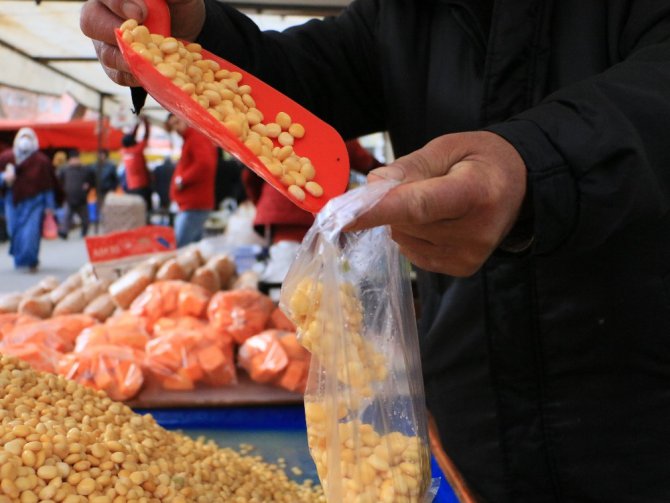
(391, 172)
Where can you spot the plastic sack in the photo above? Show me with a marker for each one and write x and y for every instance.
(262, 356)
(115, 370)
(180, 358)
(128, 335)
(58, 333)
(279, 321)
(294, 376)
(37, 356)
(171, 298)
(240, 313)
(49, 226)
(350, 296)
(275, 357)
(9, 320)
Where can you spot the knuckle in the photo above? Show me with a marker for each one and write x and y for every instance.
(419, 208)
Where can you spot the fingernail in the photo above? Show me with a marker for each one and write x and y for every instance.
(389, 173)
(132, 11)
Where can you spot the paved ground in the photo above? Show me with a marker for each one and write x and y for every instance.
(57, 258)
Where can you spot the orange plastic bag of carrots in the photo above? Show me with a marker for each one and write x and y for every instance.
(276, 357)
(280, 321)
(165, 326)
(171, 298)
(294, 376)
(113, 369)
(41, 358)
(57, 333)
(180, 358)
(240, 313)
(126, 335)
(262, 356)
(9, 320)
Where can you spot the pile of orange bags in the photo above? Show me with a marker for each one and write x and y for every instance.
(178, 333)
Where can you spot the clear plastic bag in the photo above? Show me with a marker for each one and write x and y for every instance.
(350, 296)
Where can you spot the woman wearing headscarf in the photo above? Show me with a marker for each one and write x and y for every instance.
(30, 187)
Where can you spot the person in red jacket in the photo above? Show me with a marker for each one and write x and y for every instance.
(138, 177)
(192, 185)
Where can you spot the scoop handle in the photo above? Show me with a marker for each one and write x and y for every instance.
(158, 17)
(157, 21)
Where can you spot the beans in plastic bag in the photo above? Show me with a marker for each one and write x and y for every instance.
(349, 295)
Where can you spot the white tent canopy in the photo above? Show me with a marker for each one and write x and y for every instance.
(43, 50)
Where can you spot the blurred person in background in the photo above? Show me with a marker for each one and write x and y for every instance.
(192, 186)
(162, 178)
(107, 179)
(137, 174)
(30, 188)
(59, 160)
(77, 180)
(3, 221)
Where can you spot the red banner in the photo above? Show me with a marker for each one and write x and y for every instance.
(122, 245)
(81, 134)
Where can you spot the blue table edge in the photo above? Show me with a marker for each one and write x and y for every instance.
(275, 418)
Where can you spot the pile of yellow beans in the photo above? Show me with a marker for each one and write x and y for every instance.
(368, 466)
(62, 442)
(230, 101)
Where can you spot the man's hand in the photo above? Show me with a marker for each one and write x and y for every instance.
(460, 195)
(99, 19)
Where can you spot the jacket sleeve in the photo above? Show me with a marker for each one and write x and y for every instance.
(596, 151)
(329, 66)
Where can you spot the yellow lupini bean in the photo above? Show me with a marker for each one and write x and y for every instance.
(273, 130)
(296, 192)
(307, 170)
(284, 120)
(223, 94)
(285, 138)
(296, 130)
(169, 45)
(313, 188)
(287, 180)
(128, 25)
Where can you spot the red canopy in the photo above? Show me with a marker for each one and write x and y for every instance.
(80, 134)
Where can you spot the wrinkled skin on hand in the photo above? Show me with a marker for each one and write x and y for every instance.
(99, 19)
(459, 197)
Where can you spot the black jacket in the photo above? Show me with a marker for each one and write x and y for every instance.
(548, 372)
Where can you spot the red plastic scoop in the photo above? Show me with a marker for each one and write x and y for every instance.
(321, 143)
